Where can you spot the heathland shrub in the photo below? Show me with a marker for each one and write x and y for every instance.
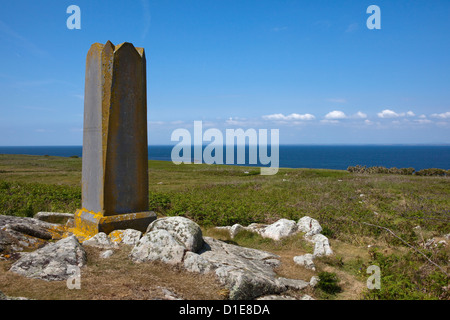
(328, 283)
(433, 172)
(400, 171)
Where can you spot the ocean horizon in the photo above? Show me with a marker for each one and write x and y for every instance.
(338, 157)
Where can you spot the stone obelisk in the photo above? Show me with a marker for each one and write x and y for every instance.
(115, 151)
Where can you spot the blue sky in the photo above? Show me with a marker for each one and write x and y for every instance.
(311, 69)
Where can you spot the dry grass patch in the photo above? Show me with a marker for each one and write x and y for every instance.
(116, 278)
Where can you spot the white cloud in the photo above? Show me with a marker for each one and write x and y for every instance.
(296, 116)
(292, 116)
(368, 122)
(423, 121)
(388, 114)
(392, 114)
(360, 115)
(236, 121)
(329, 121)
(445, 115)
(334, 115)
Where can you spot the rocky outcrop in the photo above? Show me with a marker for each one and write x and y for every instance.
(247, 273)
(185, 231)
(128, 236)
(101, 241)
(18, 234)
(280, 229)
(158, 245)
(306, 261)
(285, 228)
(321, 245)
(309, 226)
(52, 262)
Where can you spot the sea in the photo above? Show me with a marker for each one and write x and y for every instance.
(300, 156)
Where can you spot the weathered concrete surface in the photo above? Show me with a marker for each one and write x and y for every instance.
(115, 154)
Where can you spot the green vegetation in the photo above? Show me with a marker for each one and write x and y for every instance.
(328, 283)
(344, 202)
(394, 170)
(406, 277)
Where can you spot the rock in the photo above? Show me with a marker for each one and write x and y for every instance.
(256, 227)
(247, 273)
(309, 225)
(242, 270)
(433, 243)
(116, 236)
(18, 233)
(442, 242)
(158, 245)
(169, 295)
(447, 236)
(5, 297)
(194, 262)
(280, 229)
(306, 260)
(292, 283)
(235, 229)
(314, 281)
(12, 240)
(70, 224)
(54, 217)
(30, 226)
(106, 254)
(187, 232)
(274, 263)
(306, 297)
(128, 236)
(131, 237)
(100, 240)
(31, 230)
(321, 245)
(276, 297)
(51, 263)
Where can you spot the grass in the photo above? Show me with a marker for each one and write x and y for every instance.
(215, 195)
(115, 278)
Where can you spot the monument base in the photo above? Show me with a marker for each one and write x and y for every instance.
(88, 223)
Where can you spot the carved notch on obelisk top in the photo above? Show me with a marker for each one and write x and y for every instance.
(115, 149)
